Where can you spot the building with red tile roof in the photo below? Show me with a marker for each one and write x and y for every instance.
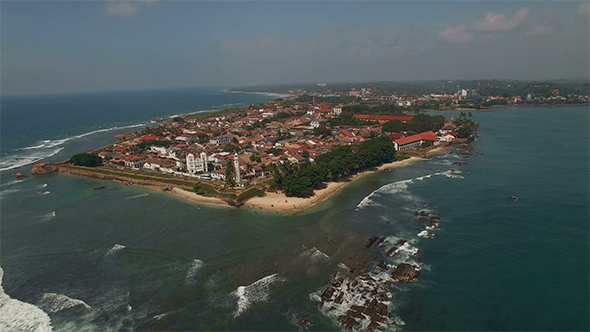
(414, 141)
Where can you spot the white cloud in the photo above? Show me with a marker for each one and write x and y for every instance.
(538, 30)
(128, 8)
(456, 35)
(498, 22)
(584, 10)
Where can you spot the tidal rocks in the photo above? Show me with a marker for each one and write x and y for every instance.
(306, 321)
(100, 188)
(44, 168)
(434, 221)
(371, 240)
(327, 294)
(405, 273)
(19, 176)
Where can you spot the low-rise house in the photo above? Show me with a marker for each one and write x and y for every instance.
(218, 174)
(222, 140)
(134, 161)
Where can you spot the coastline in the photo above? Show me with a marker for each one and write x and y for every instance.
(279, 202)
(198, 198)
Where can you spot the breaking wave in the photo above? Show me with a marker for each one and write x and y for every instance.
(16, 161)
(47, 148)
(10, 183)
(8, 191)
(48, 216)
(400, 186)
(17, 316)
(192, 271)
(258, 291)
(45, 193)
(137, 196)
(114, 249)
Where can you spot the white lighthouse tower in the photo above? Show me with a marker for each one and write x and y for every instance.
(237, 168)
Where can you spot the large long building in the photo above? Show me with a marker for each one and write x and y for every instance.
(383, 118)
(414, 141)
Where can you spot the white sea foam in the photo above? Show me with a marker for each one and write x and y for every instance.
(114, 249)
(52, 302)
(47, 148)
(45, 193)
(258, 291)
(402, 186)
(424, 234)
(137, 196)
(48, 216)
(192, 271)
(17, 316)
(407, 249)
(14, 161)
(43, 186)
(311, 256)
(10, 183)
(8, 191)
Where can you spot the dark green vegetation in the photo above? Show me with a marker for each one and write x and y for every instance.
(302, 180)
(419, 124)
(86, 159)
(466, 126)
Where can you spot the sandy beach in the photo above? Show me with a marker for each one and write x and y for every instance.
(280, 203)
(198, 198)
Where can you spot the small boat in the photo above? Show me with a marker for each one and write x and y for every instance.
(514, 198)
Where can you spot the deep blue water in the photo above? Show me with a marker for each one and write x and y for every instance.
(494, 264)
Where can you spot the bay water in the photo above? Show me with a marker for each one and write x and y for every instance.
(146, 260)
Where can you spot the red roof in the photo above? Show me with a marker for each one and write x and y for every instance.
(346, 133)
(395, 136)
(427, 136)
(120, 149)
(371, 117)
(134, 157)
(149, 138)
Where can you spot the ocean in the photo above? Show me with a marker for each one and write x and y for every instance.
(127, 258)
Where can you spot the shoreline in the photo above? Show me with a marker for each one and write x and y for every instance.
(192, 196)
(272, 201)
(279, 202)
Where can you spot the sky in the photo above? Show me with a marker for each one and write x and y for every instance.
(51, 47)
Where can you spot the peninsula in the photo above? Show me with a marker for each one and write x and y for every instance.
(284, 155)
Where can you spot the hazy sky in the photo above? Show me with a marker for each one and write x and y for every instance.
(68, 46)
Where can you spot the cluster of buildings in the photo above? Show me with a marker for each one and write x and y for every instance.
(251, 142)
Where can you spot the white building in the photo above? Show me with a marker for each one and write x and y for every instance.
(223, 140)
(197, 165)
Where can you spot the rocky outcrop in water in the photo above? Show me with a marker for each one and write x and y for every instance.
(405, 273)
(19, 176)
(44, 168)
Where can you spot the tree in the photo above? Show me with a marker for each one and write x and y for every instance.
(178, 119)
(299, 186)
(322, 130)
(86, 159)
(230, 174)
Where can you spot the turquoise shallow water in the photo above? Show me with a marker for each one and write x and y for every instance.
(494, 264)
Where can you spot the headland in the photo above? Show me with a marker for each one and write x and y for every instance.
(280, 156)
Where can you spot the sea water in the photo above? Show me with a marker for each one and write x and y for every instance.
(129, 258)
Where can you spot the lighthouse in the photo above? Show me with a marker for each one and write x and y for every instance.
(237, 168)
